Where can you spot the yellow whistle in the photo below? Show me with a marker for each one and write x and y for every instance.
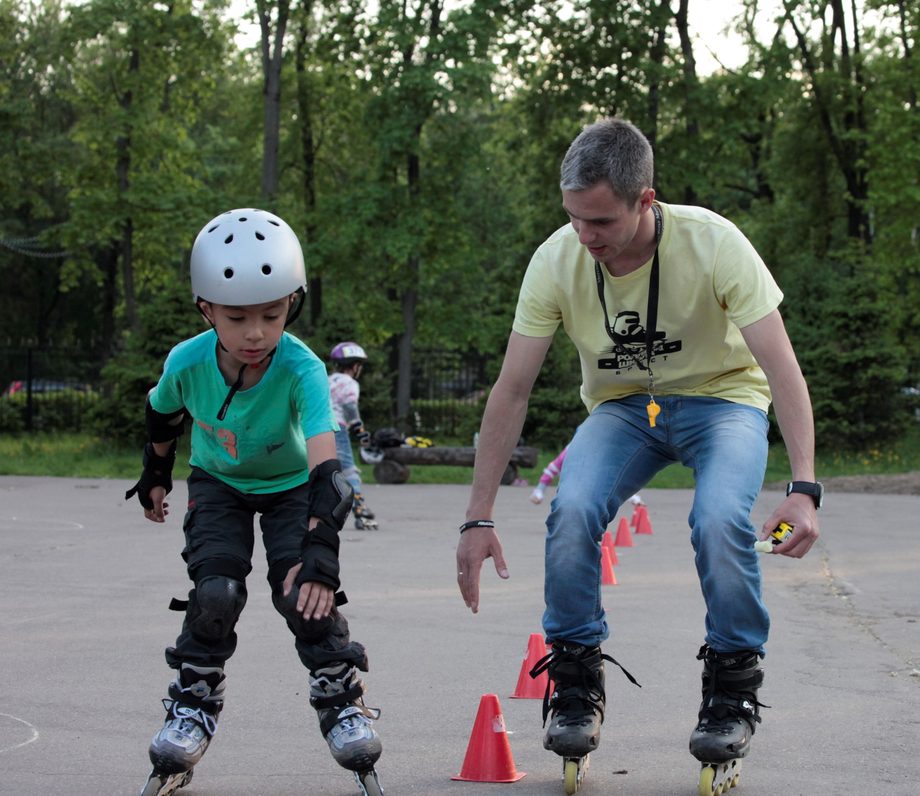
(653, 409)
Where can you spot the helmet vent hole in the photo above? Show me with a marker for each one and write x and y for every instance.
(242, 218)
(275, 223)
(229, 238)
(211, 229)
(266, 269)
(260, 236)
(228, 273)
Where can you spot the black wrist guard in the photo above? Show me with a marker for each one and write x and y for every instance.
(360, 433)
(320, 557)
(157, 472)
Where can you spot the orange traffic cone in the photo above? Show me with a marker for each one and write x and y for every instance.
(607, 541)
(608, 576)
(643, 523)
(488, 755)
(532, 687)
(623, 537)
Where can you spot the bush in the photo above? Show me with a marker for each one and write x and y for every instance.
(61, 410)
(166, 320)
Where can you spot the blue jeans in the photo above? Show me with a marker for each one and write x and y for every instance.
(346, 458)
(613, 455)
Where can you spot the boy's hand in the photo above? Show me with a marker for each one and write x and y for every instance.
(160, 507)
(315, 600)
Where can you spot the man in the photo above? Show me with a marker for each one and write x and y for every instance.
(675, 319)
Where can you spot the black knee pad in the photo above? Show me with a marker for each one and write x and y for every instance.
(310, 631)
(214, 606)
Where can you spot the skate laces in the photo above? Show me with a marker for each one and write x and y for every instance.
(729, 691)
(579, 692)
(187, 718)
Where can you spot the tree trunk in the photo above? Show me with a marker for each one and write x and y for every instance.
(409, 297)
(691, 88)
(308, 155)
(123, 178)
(272, 56)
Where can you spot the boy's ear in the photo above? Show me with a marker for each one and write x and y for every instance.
(205, 308)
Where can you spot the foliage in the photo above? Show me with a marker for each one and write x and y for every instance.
(166, 319)
(418, 158)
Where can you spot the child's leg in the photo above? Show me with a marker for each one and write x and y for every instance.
(324, 646)
(364, 517)
(218, 529)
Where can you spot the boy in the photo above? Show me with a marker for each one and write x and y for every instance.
(347, 361)
(262, 442)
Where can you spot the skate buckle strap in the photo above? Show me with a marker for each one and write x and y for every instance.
(730, 687)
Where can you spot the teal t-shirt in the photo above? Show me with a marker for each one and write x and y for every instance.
(260, 445)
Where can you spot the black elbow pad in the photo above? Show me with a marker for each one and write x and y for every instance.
(164, 428)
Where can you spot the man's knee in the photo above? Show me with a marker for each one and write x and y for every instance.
(214, 606)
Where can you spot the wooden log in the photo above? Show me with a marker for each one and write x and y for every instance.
(454, 456)
(391, 472)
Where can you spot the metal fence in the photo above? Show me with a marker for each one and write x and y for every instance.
(45, 388)
(52, 388)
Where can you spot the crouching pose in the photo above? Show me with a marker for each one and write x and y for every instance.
(262, 444)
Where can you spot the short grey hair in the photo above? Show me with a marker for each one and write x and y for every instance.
(612, 151)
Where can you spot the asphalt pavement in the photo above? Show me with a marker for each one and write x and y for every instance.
(85, 583)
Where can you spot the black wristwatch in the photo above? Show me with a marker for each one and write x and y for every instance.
(814, 489)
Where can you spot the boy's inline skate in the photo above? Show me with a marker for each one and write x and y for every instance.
(577, 705)
(365, 519)
(194, 703)
(336, 692)
(728, 715)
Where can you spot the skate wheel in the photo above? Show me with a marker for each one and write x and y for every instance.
(570, 776)
(717, 779)
(166, 784)
(573, 773)
(707, 779)
(369, 783)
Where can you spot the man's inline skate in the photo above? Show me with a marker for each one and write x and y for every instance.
(194, 703)
(365, 519)
(336, 692)
(728, 715)
(577, 704)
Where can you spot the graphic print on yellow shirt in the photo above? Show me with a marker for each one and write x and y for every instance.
(712, 284)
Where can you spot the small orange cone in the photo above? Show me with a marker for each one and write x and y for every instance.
(532, 687)
(607, 541)
(608, 576)
(488, 755)
(623, 537)
(643, 524)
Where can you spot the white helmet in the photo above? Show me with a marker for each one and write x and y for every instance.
(246, 257)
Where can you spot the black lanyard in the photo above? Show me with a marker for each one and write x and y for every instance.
(651, 314)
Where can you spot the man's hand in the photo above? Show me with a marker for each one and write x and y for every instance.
(476, 545)
(799, 511)
(315, 600)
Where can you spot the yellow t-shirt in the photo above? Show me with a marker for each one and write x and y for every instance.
(711, 284)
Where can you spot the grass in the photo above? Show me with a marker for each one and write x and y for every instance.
(81, 456)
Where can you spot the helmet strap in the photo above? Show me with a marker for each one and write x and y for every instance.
(295, 309)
